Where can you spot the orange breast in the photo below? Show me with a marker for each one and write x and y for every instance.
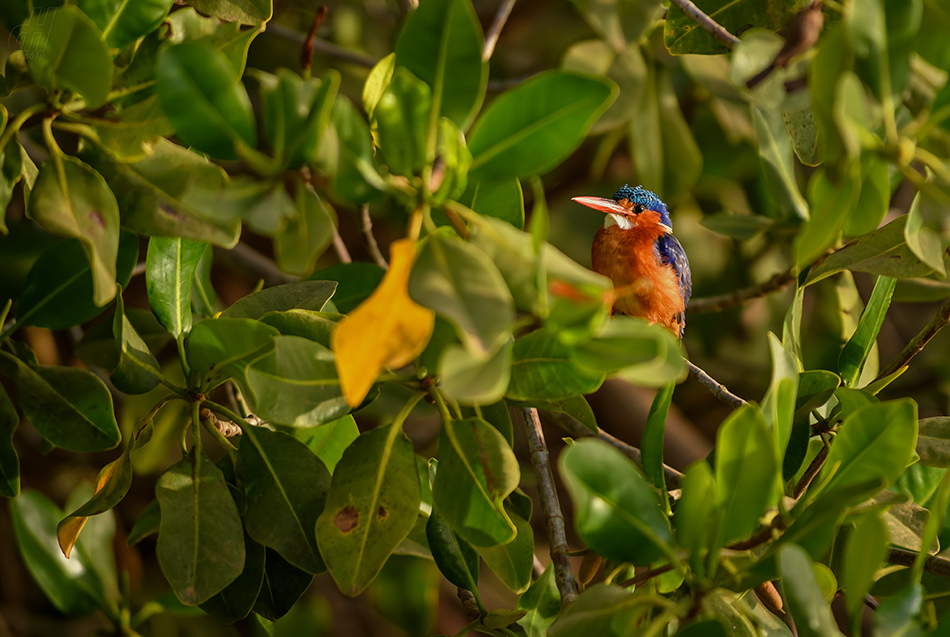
(645, 286)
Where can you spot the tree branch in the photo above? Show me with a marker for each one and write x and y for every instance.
(367, 228)
(934, 564)
(491, 38)
(918, 342)
(577, 430)
(553, 518)
(321, 45)
(246, 259)
(709, 25)
(726, 301)
(718, 389)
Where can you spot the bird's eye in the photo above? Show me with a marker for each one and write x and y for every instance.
(639, 208)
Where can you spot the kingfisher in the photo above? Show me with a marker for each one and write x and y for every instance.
(636, 250)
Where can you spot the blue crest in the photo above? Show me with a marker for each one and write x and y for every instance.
(645, 198)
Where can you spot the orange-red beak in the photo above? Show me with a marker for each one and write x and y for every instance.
(608, 206)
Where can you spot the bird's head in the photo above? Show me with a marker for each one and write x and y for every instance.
(630, 207)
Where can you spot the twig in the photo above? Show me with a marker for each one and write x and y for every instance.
(934, 564)
(918, 342)
(554, 519)
(811, 472)
(726, 301)
(718, 389)
(491, 39)
(139, 269)
(711, 27)
(341, 252)
(370, 239)
(306, 53)
(244, 257)
(646, 575)
(322, 46)
(577, 430)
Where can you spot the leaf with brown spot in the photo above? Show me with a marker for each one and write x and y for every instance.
(386, 330)
(377, 473)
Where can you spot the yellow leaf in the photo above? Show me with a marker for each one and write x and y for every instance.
(387, 330)
(68, 530)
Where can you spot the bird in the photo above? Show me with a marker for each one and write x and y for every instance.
(636, 250)
(801, 34)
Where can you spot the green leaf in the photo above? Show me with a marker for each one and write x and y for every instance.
(933, 441)
(329, 440)
(402, 120)
(307, 236)
(775, 152)
(695, 511)
(69, 584)
(201, 541)
(305, 295)
(441, 44)
(473, 379)
(875, 197)
(576, 407)
(241, 11)
(477, 471)
(131, 133)
(778, 406)
(296, 113)
(69, 406)
(66, 52)
(163, 194)
(457, 280)
(881, 252)
(224, 347)
(123, 22)
(651, 445)
(296, 385)
(682, 35)
(237, 599)
(865, 550)
(204, 300)
(377, 82)
(455, 557)
(807, 604)
(635, 351)
(170, 266)
(71, 198)
(204, 99)
(147, 523)
(374, 494)
(682, 159)
(286, 488)
(230, 38)
(138, 371)
(15, 165)
(499, 198)
(922, 239)
(543, 368)
(855, 352)
(623, 64)
(831, 206)
(314, 326)
(355, 282)
(899, 614)
(531, 128)
(355, 179)
(616, 511)
(283, 585)
(603, 610)
(543, 603)
(9, 462)
(802, 130)
(512, 562)
(875, 441)
(59, 287)
(746, 472)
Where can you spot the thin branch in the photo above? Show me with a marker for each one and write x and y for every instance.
(306, 54)
(322, 46)
(718, 389)
(712, 27)
(811, 472)
(554, 519)
(918, 342)
(577, 430)
(341, 252)
(934, 564)
(139, 269)
(245, 258)
(646, 575)
(726, 301)
(491, 38)
(367, 228)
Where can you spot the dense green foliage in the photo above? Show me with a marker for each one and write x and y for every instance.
(139, 146)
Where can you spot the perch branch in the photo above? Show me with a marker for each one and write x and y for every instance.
(554, 519)
(577, 430)
(718, 389)
(934, 564)
(918, 342)
(367, 228)
(491, 38)
(709, 25)
(726, 301)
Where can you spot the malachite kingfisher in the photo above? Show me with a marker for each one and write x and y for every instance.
(636, 250)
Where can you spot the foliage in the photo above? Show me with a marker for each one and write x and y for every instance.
(138, 133)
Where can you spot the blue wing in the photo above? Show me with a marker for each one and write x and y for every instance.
(671, 253)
